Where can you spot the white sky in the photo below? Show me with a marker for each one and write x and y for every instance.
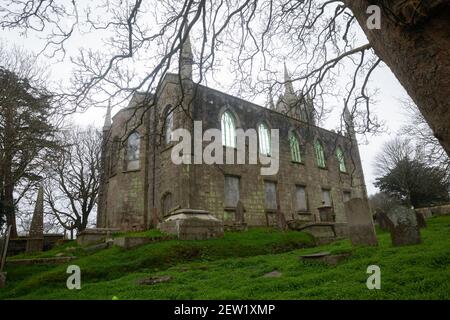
(388, 107)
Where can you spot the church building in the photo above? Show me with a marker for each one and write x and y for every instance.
(141, 185)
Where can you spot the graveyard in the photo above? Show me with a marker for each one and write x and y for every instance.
(261, 263)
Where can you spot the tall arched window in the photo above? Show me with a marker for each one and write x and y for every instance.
(341, 160)
(168, 125)
(264, 139)
(295, 148)
(320, 155)
(228, 127)
(133, 150)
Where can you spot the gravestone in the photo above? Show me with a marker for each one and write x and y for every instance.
(191, 224)
(404, 228)
(360, 224)
(273, 274)
(420, 220)
(383, 220)
(35, 241)
(326, 214)
(239, 218)
(154, 280)
(327, 257)
(240, 213)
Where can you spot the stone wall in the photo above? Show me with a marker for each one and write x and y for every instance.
(124, 202)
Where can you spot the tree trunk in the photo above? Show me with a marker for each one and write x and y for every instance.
(8, 179)
(9, 207)
(419, 56)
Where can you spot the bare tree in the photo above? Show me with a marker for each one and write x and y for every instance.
(254, 36)
(393, 152)
(27, 129)
(420, 132)
(72, 183)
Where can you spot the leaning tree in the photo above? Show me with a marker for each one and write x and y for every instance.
(412, 37)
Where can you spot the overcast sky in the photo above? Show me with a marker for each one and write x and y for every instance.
(388, 107)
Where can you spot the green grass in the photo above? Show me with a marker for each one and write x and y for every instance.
(153, 233)
(234, 268)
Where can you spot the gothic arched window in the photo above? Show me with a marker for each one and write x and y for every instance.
(341, 160)
(295, 149)
(168, 125)
(228, 127)
(320, 155)
(133, 151)
(264, 139)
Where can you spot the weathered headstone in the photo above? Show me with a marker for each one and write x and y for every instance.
(421, 222)
(191, 224)
(273, 274)
(154, 280)
(35, 240)
(326, 214)
(360, 224)
(327, 257)
(404, 229)
(383, 220)
(240, 213)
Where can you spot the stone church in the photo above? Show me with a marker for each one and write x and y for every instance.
(140, 184)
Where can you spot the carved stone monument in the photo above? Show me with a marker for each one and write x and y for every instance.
(35, 240)
(421, 222)
(360, 224)
(404, 228)
(190, 224)
(239, 218)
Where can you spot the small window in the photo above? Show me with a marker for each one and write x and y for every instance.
(270, 190)
(264, 139)
(228, 127)
(168, 125)
(347, 196)
(295, 149)
(133, 151)
(341, 160)
(301, 203)
(231, 191)
(320, 155)
(326, 198)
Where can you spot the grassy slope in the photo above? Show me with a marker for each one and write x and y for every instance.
(233, 268)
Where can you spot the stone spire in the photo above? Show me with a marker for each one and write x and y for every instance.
(288, 87)
(186, 59)
(107, 124)
(37, 222)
